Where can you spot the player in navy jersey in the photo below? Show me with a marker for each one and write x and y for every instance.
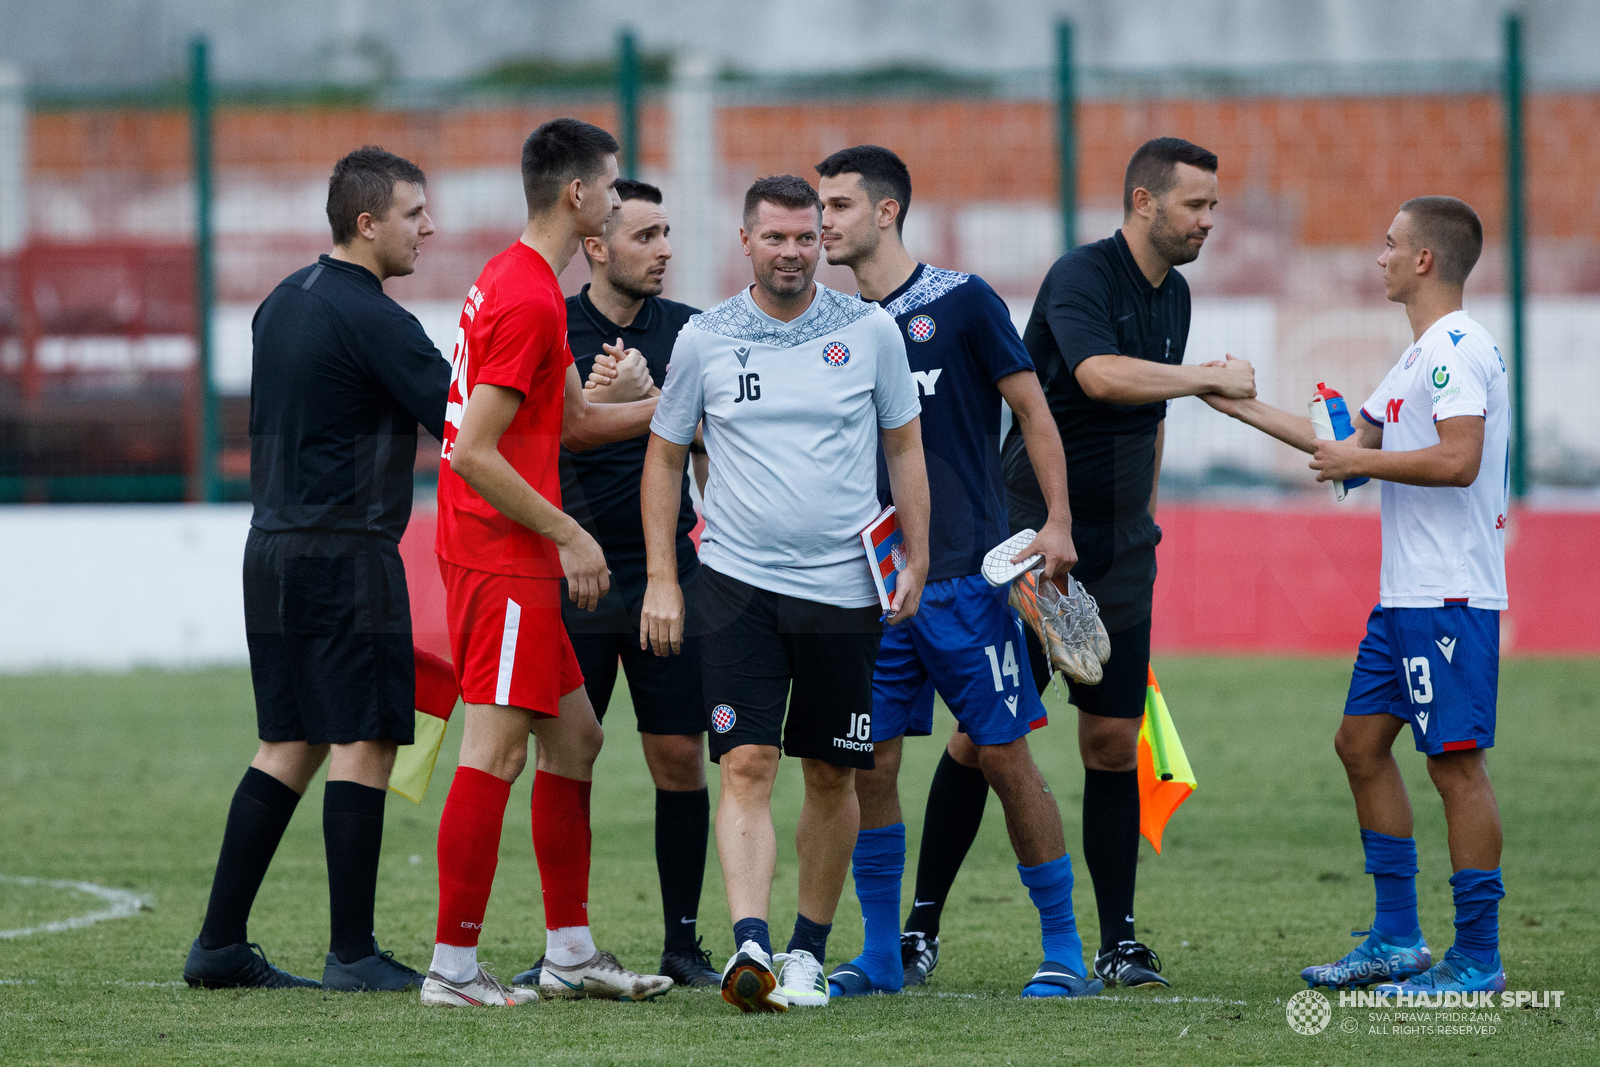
(965, 642)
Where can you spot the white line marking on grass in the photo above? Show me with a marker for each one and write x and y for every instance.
(123, 904)
(125, 981)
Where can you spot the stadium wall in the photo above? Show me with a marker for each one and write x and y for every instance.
(109, 588)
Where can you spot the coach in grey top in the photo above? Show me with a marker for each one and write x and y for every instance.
(796, 385)
(792, 413)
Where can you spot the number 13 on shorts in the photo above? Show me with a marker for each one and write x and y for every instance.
(1004, 668)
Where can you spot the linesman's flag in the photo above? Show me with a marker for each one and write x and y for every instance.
(1165, 778)
(437, 693)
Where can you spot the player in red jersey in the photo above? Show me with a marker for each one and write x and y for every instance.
(504, 545)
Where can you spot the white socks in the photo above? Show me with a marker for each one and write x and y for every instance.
(457, 963)
(568, 946)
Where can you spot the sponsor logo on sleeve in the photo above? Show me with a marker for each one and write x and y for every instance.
(1441, 376)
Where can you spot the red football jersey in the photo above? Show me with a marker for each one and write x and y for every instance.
(513, 332)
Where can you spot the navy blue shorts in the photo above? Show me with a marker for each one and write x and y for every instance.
(1436, 668)
(966, 642)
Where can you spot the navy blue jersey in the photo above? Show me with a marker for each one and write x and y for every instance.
(960, 341)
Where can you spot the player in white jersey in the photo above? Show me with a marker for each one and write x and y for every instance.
(797, 385)
(1435, 433)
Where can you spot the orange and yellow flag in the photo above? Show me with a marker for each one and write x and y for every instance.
(1165, 777)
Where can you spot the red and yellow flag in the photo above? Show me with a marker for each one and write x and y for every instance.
(1165, 778)
(437, 693)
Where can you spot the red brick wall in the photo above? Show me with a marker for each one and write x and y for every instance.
(1338, 162)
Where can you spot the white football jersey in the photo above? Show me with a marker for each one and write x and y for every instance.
(1444, 545)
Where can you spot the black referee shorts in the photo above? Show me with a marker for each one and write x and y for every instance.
(759, 648)
(328, 622)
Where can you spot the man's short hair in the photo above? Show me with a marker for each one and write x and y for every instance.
(363, 183)
(785, 190)
(629, 189)
(883, 175)
(558, 152)
(1154, 167)
(1448, 228)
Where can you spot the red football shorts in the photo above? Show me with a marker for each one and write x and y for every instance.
(507, 639)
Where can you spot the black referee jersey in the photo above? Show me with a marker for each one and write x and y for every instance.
(341, 376)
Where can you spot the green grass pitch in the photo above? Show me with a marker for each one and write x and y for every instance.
(124, 781)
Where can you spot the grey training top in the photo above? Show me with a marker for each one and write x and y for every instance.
(792, 412)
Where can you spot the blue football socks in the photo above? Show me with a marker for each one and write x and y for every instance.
(878, 864)
(752, 930)
(810, 936)
(1478, 896)
(1392, 862)
(1050, 887)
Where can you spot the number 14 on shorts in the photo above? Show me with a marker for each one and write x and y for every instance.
(1006, 667)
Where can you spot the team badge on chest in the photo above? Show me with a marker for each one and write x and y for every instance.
(835, 354)
(920, 328)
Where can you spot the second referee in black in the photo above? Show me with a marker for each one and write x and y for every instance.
(341, 377)
(1107, 337)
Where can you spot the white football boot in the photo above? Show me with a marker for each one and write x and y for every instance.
(800, 979)
(600, 977)
(748, 982)
(482, 990)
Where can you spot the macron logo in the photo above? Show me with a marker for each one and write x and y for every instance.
(1392, 412)
(1422, 722)
(1447, 645)
(1011, 706)
(926, 379)
(1455, 337)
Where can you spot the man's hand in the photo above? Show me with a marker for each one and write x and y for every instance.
(907, 594)
(1225, 404)
(1336, 461)
(1237, 380)
(619, 376)
(584, 564)
(661, 618)
(1054, 543)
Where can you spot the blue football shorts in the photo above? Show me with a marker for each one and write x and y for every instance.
(1436, 668)
(966, 643)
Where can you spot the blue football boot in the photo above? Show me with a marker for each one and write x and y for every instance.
(1456, 973)
(1379, 958)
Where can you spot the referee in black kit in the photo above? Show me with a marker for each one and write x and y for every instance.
(341, 376)
(1107, 336)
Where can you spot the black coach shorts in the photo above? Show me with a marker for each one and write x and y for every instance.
(755, 643)
(328, 622)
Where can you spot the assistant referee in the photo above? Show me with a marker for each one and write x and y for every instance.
(1107, 337)
(341, 377)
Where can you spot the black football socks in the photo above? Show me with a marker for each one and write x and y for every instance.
(683, 824)
(1111, 848)
(261, 809)
(352, 834)
(956, 799)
